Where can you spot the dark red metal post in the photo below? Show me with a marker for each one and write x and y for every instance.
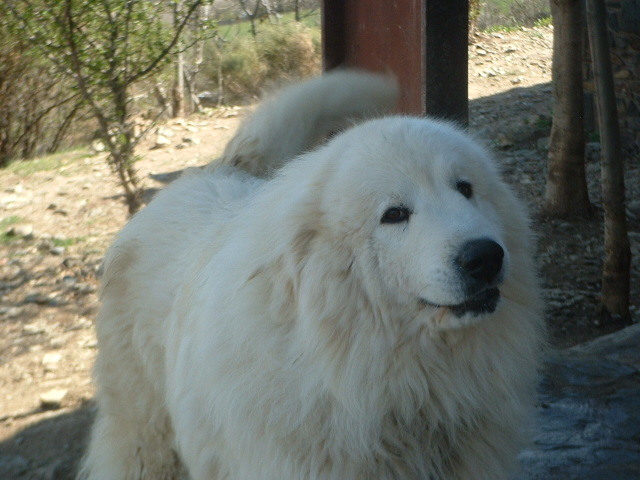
(422, 42)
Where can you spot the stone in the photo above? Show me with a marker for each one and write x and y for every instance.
(32, 328)
(15, 189)
(13, 312)
(60, 211)
(98, 146)
(57, 250)
(24, 231)
(191, 140)
(84, 288)
(57, 342)
(208, 99)
(52, 400)
(230, 113)
(165, 132)
(39, 299)
(161, 141)
(51, 360)
(504, 141)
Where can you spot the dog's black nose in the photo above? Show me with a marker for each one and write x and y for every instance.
(481, 259)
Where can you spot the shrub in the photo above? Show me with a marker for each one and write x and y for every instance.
(38, 110)
(246, 66)
(496, 14)
(288, 51)
(241, 69)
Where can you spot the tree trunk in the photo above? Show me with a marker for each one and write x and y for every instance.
(55, 144)
(128, 180)
(191, 73)
(178, 88)
(162, 98)
(566, 190)
(119, 137)
(122, 159)
(178, 82)
(252, 15)
(474, 14)
(272, 13)
(616, 268)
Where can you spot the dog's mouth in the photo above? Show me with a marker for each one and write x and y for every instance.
(481, 303)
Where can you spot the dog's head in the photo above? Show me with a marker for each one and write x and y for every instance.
(416, 209)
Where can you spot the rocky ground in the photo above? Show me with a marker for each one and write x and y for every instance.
(58, 216)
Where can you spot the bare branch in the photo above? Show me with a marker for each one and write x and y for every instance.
(77, 67)
(168, 48)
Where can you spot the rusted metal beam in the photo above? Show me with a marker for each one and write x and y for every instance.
(422, 42)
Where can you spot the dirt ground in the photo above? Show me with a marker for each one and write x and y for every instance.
(58, 222)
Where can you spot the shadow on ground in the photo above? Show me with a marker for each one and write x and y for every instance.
(29, 454)
(516, 118)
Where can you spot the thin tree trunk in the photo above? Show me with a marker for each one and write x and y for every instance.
(55, 144)
(220, 85)
(566, 189)
(121, 143)
(272, 13)
(178, 85)
(161, 97)
(129, 182)
(251, 15)
(192, 73)
(616, 268)
(474, 14)
(178, 88)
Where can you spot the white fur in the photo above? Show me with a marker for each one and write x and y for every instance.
(273, 329)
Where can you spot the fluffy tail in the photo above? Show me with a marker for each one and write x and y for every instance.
(301, 116)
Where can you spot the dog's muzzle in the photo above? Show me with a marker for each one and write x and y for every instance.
(480, 304)
(479, 264)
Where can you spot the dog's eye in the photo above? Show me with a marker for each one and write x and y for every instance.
(465, 188)
(396, 215)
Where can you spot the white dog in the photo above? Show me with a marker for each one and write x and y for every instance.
(369, 312)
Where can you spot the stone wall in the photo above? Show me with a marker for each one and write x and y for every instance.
(624, 29)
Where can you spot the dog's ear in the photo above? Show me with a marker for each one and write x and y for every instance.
(338, 328)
